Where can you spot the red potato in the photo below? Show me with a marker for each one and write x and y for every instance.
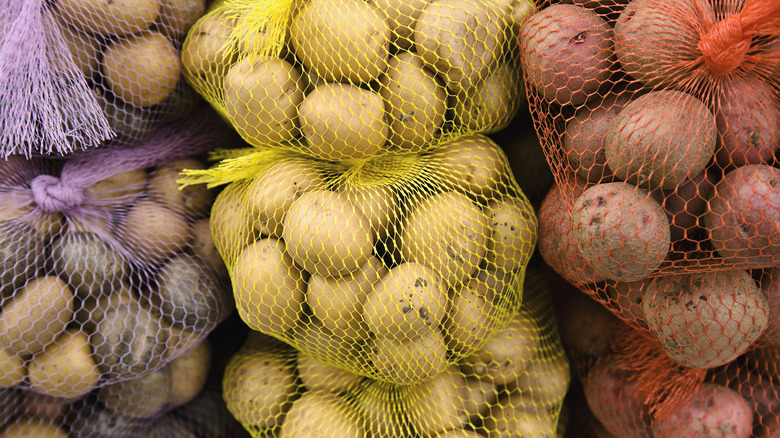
(614, 399)
(566, 52)
(627, 298)
(748, 120)
(770, 283)
(686, 204)
(556, 243)
(621, 230)
(714, 411)
(586, 326)
(743, 217)
(760, 391)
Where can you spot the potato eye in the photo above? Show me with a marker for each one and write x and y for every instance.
(579, 37)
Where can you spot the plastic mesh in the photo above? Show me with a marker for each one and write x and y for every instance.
(512, 387)
(660, 123)
(348, 79)
(77, 74)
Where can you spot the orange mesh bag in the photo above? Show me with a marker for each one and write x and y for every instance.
(661, 122)
(77, 74)
(513, 388)
(351, 79)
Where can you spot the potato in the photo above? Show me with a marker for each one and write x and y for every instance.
(458, 433)
(219, 422)
(342, 40)
(92, 265)
(460, 40)
(686, 204)
(90, 310)
(409, 360)
(510, 417)
(437, 404)
(659, 139)
(153, 232)
(338, 301)
(326, 234)
(189, 372)
(84, 48)
(130, 123)
(142, 70)
(758, 389)
(493, 104)
(8, 409)
(707, 319)
(505, 355)
(513, 235)
(188, 296)
(124, 187)
(714, 411)
(140, 397)
(21, 255)
(415, 101)
(262, 95)
(343, 121)
(582, 44)
(620, 230)
(204, 249)
(583, 137)
(471, 316)
(323, 412)
(311, 337)
(36, 315)
(470, 164)
(270, 194)
(177, 16)
(268, 287)
(167, 426)
(379, 203)
(409, 301)
(88, 418)
(12, 370)
(447, 233)
(258, 386)
(191, 201)
(544, 381)
(107, 17)
(65, 368)
(16, 205)
(742, 216)
(614, 398)
(230, 223)
(770, 284)
(316, 375)
(381, 407)
(128, 341)
(35, 404)
(481, 394)
(585, 325)
(401, 16)
(33, 428)
(205, 56)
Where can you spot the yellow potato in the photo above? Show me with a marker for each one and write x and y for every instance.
(271, 193)
(142, 70)
(313, 338)
(414, 99)
(90, 309)
(342, 40)
(470, 317)
(458, 433)
(268, 287)
(84, 48)
(177, 16)
(262, 95)
(33, 427)
(36, 315)
(447, 233)
(124, 188)
(493, 104)
(191, 201)
(153, 232)
(513, 238)
(326, 234)
(511, 417)
(409, 301)
(379, 203)
(319, 376)
(343, 121)
(401, 16)
(544, 381)
(204, 58)
(409, 361)
(203, 247)
(140, 397)
(12, 369)
(379, 404)
(13, 207)
(109, 17)
(438, 404)
(230, 223)
(481, 394)
(471, 164)
(65, 368)
(338, 301)
(189, 372)
(324, 412)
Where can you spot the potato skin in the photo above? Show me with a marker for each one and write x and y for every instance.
(707, 319)
(621, 230)
(324, 412)
(409, 361)
(581, 44)
(92, 266)
(743, 216)
(712, 411)
(613, 396)
(471, 164)
(107, 18)
(21, 255)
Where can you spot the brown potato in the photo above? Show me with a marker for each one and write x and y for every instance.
(191, 201)
(36, 315)
(343, 121)
(107, 17)
(409, 360)
(687, 204)
(65, 368)
(471, 164)
(320, 376)
(35, 404)
(581, 42)
(447, 233)
(142, 70)
(268, 287)
(620, 230)
(141, 397)
(153, 232)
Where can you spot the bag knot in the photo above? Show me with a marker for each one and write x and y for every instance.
(52, 195)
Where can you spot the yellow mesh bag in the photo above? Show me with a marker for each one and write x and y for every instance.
(513, 388)
(350, 79)
(394, 267)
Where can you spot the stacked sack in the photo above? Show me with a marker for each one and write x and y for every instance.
(78, 74)
(373, 227)
(661, 123)
(110, 284)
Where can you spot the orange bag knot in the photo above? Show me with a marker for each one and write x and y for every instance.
(727, 42)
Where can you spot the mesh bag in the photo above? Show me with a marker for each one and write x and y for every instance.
(109, 275)
(76, 74)
(348, 79)
(275, 390)
(392, 268)
(660, 122)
